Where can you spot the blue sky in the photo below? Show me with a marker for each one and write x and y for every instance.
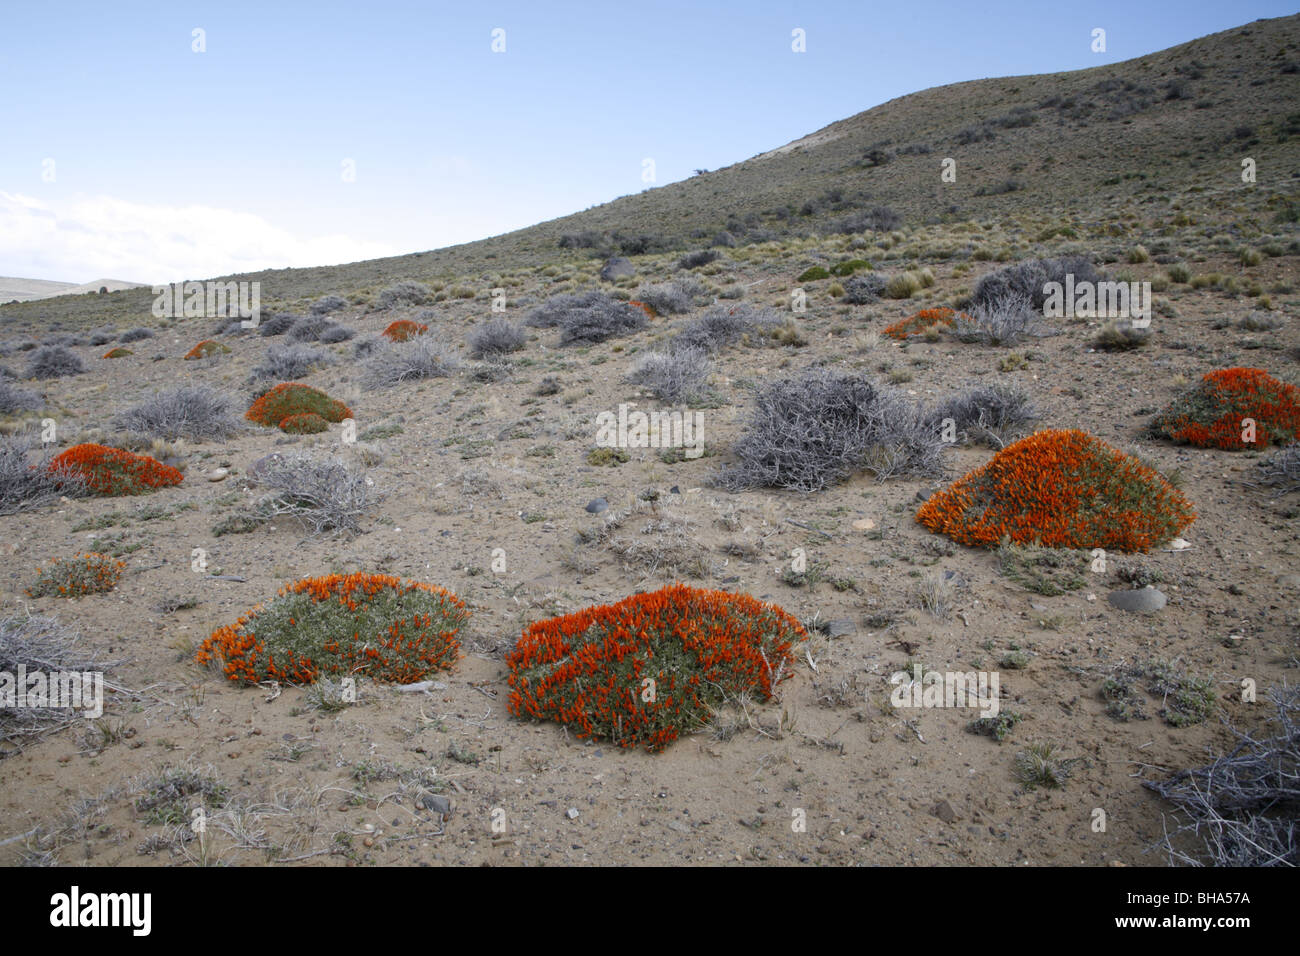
(171, 164)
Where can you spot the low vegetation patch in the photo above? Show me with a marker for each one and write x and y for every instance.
(653, 666)
(372, 625)
(404, 329)
(207, 349)
(291, 398)
(106, 471)
(1234, 409)
(308, 423)
(88, 573)
(919, 322)
(193, 412)
(1060, 489)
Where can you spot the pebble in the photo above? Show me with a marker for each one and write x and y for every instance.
(1143, 601)
(597, 505)
(218, 474)
(1289, 580)
(841, 628)
(571, 813)
(864, 524)
(944, 811)
(436, 803)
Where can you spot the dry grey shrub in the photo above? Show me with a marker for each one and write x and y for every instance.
(988, 414)
(324, 495)
(1282, 470)
(817, 430)
(283, 363)
(1003, 321)
(53, 361)
(649, 540)
(25, 485)
(495, 337)
(14, 399)
(404, 293)
(725, 325)
(40, 643)
(195, 412)
(277, 324)
(677, 376)
(135, 335)
(591, 316)
(1027, 279)
(1244, 806)
(327, 304)
(671, 298)
(418, 358)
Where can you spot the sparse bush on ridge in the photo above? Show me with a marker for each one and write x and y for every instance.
(372, 625)
(333, 333)
(135, 335)
(277, 324)
(864, 289)
(206, 349)
(286, 362)
(811, 432)
(495, 337)
(54, 361)
(874, 219)
(601, 322)
(194, 412)
(422, 357)
(693, 260)
(327, 304)
(308, 328)
(699, 649)
(1281, 470)
(404, 293)
(677, 376)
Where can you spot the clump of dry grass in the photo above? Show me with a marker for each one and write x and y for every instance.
(39, 643)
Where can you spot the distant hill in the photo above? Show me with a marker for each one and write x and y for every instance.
(26, 290)
(1146, 139)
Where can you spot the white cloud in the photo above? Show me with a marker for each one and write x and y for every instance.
(85, 238)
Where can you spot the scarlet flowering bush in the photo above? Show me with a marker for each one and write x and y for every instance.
(89, 573)
(644, 307)
(1060, 489)
(206, 349)
(404, 329)
(651, 666)
(374, 625)
(291, 398)
(308, 423)
(1213, 413)
(109, 471)
(919, 322)
(117, 352)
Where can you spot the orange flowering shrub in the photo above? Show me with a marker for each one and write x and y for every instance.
(118, 352)
(112, 471)
(371, 624)
(89, 573)
(292, 398)
(404, 329)
(651, 666)
(206, 349)
(1212, 414)
(645, 307)
(918, 323)
(1060, 489)
(308, 423)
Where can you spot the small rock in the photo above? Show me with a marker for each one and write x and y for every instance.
(1179, 544)
(841, 628)
(436, 804)
(864, 524)
(924, 494)
(218, 474)
(944, 811)
(1289, 581)
(571, 813)
(597, 505)
(1141, 601)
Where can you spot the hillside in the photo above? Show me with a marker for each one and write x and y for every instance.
(1077, 145)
